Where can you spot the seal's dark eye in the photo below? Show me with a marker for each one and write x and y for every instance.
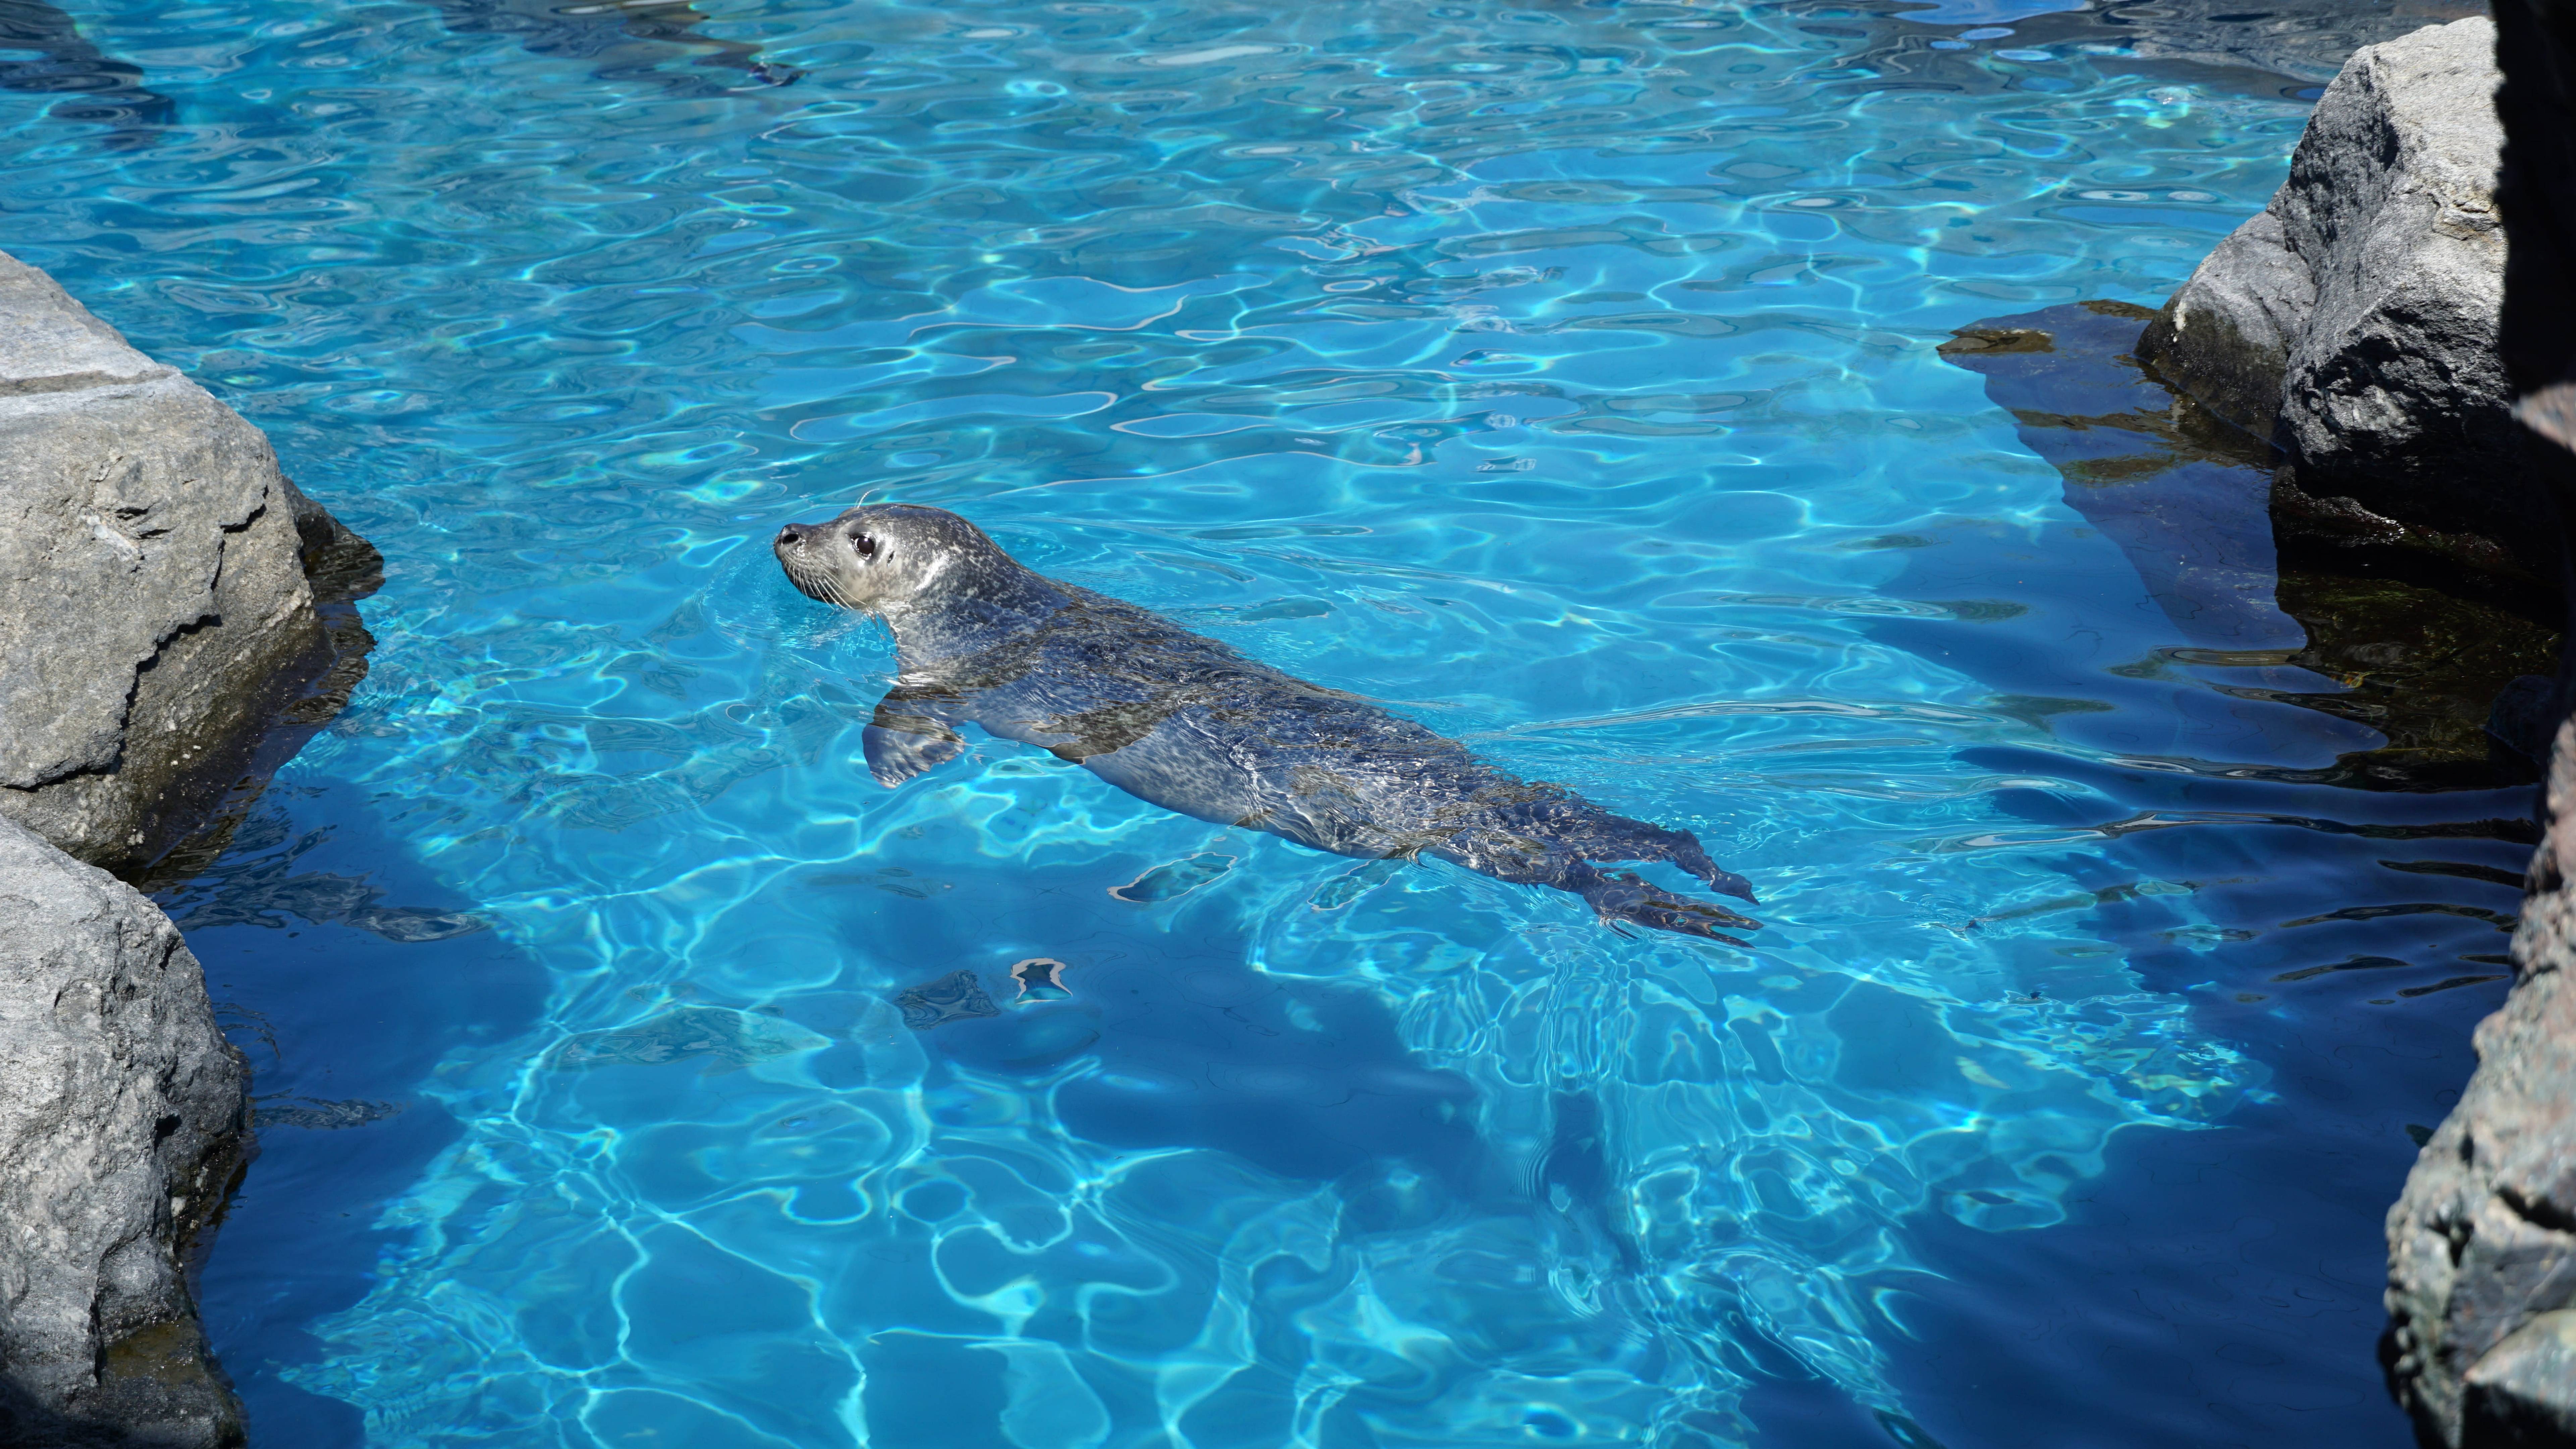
(863, 545)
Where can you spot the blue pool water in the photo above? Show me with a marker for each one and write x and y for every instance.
(1561, 374)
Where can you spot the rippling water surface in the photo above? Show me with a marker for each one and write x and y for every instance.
(1561, 373)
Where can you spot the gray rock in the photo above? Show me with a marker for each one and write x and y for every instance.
(2482, 1244)
(155, 613)
(2226, 337)
(2391, 203)
(2354, 322)
(2525, 1388)
(2481, 1345)
(123, 1121)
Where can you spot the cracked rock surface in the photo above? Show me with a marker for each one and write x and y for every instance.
(175, 618)
(2481, 1345)
(155, 612)
(123, 1121)
(2354, 321)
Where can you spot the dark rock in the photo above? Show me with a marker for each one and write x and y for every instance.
(2354, 323)
(123, 1127)
(169, 603)
(2226, 337)
(2481, 1344)
(2482, 1245)
(2536, 50)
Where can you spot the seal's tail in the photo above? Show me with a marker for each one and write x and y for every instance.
(1620, 896)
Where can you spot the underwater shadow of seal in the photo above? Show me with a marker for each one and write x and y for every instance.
(1187, 723)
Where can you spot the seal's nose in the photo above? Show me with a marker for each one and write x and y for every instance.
(792, 533)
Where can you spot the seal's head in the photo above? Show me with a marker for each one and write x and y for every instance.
(927, 571)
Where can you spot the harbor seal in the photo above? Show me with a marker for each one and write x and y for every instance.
(1187, 723)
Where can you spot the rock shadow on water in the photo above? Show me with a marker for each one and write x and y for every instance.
(2190, 500)
(622, 39)
(43, 53)
(721, 1038)
(256, 884)
(1205, 1051)
(345, 1022)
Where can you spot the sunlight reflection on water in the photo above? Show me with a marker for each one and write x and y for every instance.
(1563, 375)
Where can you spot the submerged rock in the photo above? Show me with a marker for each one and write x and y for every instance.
(166, 595)
(2448, 681)
(2354, 322)
(123, 1125)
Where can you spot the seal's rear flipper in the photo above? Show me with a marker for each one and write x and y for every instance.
(1684, 850)
(1605, 837)
(1620, 896)
(896, 755)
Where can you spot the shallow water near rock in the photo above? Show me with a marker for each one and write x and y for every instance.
(1564, 377)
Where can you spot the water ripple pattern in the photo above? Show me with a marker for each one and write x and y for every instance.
(1560, 374)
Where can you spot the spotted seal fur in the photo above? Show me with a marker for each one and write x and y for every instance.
(1189, 724)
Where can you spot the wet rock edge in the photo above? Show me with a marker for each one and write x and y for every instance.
(131, 1366)
(2481, 1343)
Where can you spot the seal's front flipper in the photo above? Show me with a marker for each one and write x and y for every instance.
(910, 734)
(1620, 896)
(896, 755)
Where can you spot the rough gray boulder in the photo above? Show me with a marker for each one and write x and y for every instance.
(2481, 1345)
(2354, 322)
(123, 1125)
(156, 618)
